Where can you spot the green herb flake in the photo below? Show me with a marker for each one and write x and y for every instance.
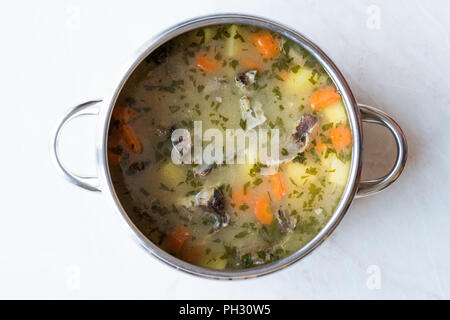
(174, 109)
(234, 63)
(246, 185)
(246, 261)
(293, 182)
(295, 69)
(162, 186)
(243, 124)
(300, 158)
(241, 234)
(257, 181)
(238, 36)
(201, 33)
(276, 91)
(314, 190)
(327, 126)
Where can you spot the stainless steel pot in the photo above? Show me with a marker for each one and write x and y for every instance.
(357, 113)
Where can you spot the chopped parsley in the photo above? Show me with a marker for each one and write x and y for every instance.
(234, 63)
(276, 91)
(327, 126)
(243, 207)
(174, 109)
(257, 181)
(243, 124)
(162, 186)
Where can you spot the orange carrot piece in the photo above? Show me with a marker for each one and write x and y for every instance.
(114, 158)
(251, 64)
(266, 44)
(340, 137)
(192, 254)
(206, 62)
(262, 211)
(131, 139)
(320, 146)
(278, 185)
(324, 97)
(176, 239)
(283, 74)
(123, 113)
(238, 198)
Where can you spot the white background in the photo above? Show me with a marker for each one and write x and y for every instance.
(59, 241)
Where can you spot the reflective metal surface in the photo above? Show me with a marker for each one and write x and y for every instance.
(373, 115)
(89, 108)
(353, 111)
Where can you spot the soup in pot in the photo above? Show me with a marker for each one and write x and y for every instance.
(240, 209)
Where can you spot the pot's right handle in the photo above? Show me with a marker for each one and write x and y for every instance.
(373, 115)
(84, 109)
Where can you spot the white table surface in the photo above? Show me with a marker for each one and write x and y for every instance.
(59, 241)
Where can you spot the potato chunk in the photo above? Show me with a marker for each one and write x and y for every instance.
(218, 264)
(335, 113)
(172, 174)
(337, 169)
(298, 83)
(296, 171)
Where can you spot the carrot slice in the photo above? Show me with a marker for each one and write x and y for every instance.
(283, 74)
(262, 211)
(131, 140)
(266, 44)
(123, 113)
(192, 253)
(251, 64)
(176, 239)
(324, 97)
(238, 198)
(278, 185)
(340, 137)
(320, 146)
(114, 158)
(206, 62)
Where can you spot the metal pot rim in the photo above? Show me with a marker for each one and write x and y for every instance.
(354, 121)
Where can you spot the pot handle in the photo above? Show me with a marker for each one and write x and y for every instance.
(374, 115)
(84, 109)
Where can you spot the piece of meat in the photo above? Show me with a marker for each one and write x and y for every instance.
(283, 221)
(182, 142)
(213, 201)
(305, 129)
(303, 135)
(298, 142)
(245, 80)
(217, 201)
(245, 104)
(203, 170)
(252, 114)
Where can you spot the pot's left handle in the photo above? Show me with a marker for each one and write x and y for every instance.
(84, 109)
